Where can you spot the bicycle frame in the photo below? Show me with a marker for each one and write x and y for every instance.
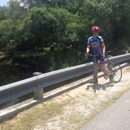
(96, 66)
(114, 68)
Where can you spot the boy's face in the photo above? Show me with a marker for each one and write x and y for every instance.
(95, 33)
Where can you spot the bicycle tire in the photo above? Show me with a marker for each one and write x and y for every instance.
(117, 72)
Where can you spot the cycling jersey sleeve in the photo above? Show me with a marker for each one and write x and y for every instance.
(101, 39)
(88, 43)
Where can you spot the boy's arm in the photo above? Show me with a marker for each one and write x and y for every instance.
(103, 48)
(88, 49)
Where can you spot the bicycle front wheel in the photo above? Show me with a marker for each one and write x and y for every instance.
(117, 73)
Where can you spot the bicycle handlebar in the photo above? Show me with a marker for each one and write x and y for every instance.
(94, 55)
(107, 54)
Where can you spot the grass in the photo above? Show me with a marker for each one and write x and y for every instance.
(46, 48)
(36, 115)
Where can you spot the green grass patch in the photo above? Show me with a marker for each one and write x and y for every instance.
(46, 48)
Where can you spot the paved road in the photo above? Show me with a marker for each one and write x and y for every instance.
(115, 117)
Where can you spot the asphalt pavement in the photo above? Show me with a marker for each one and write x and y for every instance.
(114, 117)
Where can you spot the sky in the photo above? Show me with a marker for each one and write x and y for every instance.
(3, 2)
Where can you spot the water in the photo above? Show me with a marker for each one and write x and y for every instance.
(13, 73)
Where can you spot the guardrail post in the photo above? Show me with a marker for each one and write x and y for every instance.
(38, 94)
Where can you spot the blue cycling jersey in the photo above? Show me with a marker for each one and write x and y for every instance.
(95, 43)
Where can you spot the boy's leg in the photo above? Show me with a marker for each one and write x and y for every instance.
(95, 68)
(96, 72)
(106, 70)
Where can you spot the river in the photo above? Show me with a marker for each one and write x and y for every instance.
(13, 73)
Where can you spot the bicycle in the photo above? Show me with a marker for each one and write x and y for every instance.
(114, 68)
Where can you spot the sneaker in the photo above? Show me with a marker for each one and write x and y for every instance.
(111, 77)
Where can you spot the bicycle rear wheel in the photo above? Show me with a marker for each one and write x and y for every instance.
(117, 72)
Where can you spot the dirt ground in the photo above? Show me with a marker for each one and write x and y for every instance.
(82, 104)
(86, 102)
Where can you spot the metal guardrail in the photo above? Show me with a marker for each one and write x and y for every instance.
(20, 88)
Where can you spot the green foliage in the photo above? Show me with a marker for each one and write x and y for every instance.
(122, 46)
(63, 26)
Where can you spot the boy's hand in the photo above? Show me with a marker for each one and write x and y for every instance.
(103, 55)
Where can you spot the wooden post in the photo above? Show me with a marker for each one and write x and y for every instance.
(38, 94)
